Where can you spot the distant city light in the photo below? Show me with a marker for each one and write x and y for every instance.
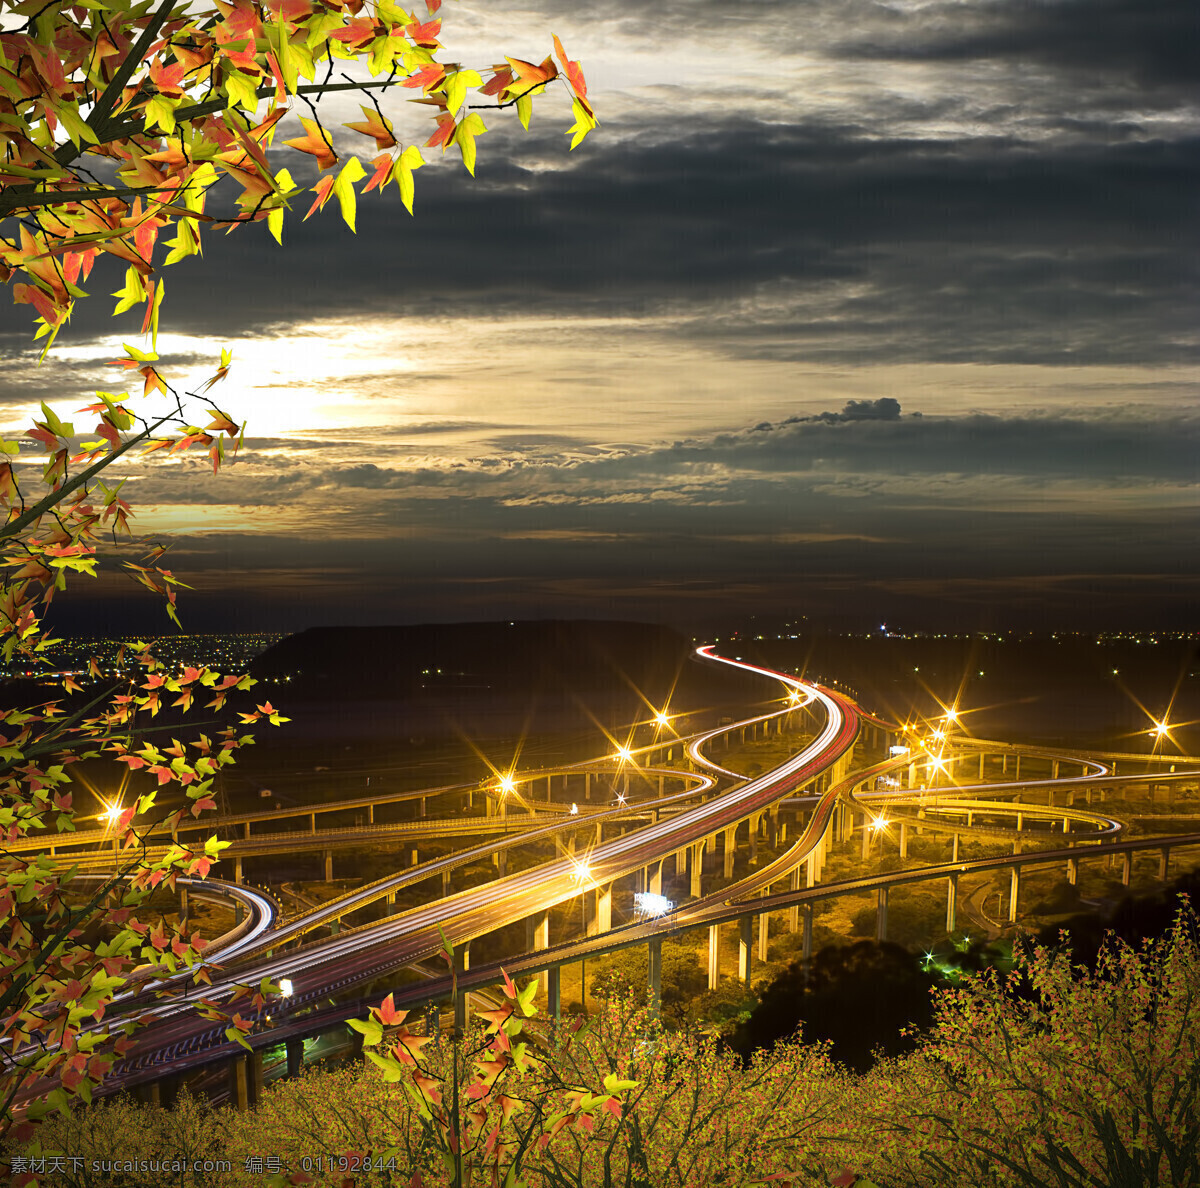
(507, 784)
(880, 823)
(574, 809)
(952, 715)
(1161, 729)
(898, 750)
(662, 719)
(582, 872)
(112, 812)
(624, 754)
(649, 904)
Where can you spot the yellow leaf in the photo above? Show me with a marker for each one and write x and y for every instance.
(410, 160)
(351, 172)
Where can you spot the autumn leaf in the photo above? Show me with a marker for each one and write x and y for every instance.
(315, 144)
(375, 125)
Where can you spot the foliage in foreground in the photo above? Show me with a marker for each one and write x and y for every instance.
(1056, 1077)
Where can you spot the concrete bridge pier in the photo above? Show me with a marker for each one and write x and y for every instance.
(794, 912)
(806, 940)
(655, 872)
(295, 1056)
(881, 907)
(329, 866)
(1014, 893)
(764, 934)
(729, 847)
(554, 993)
(951, 900)
(537, 937)
(982, 757)
(1164, 860)
(1126, 865)
(654, 972)
(745, 935)
(714, 956)
(696, 864)
(903, 839)
(1072, 871)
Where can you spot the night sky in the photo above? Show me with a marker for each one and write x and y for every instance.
(862, 311)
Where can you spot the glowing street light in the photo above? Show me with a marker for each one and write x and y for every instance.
(651, 905)
(880, 823)
(624, 754)
(1161, 730)
(582, 872)
(574, 809)
(661, 719)
(952, 715)
(507, 784)
(285, 987)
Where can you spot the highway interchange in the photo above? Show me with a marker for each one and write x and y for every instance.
(329, 975)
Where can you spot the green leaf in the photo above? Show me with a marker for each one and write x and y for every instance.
(233, 1034)
(78, 129)
(371, 1030)
(393, 1070)
(524, 110)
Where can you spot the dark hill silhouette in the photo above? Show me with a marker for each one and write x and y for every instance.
(545, 656)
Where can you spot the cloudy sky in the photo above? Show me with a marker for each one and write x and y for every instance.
(847, 309)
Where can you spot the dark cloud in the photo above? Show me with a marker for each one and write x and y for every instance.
(1156, 43)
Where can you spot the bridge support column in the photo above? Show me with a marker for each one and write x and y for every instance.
(745, 933)
(329, 866)
(903, 839)
(806, 939)
(424, 806)
(696, 857)
(881, 907)
(866, 837)
(1164, 860)
(554, 993)
(793, 913)
(537, 936)
(656, 877)
(587, 785)
(183, 906)
(654, 972)
(1017, 774)
(312, 822)
(1072, 871)
(390, 901)
(730, 850)
(753, 828)
(601, 916)
(951, 900)
(462, 1005)
(239, 1090)
(1126, 864)
(714, 956)
(295, 1056)
(811, 869)
(237, 870)
(445, 883)
(764, 934)
(414, 857)
(981, 759)
(1014, 893)
(1054, 769)
(954, 855)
